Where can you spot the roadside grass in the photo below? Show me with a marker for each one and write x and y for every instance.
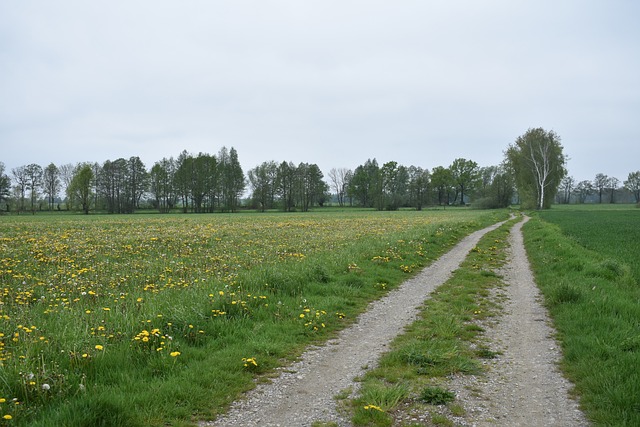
(445, 340)
(586, 266)
(153, 320)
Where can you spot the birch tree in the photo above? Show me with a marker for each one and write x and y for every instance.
(539, 166)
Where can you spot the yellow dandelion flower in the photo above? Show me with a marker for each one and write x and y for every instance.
(174, 354)
(7, 417)
(99, 347)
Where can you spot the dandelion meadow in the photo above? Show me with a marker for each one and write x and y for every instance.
(164, 320)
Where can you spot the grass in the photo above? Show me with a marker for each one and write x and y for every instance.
(585, 263)
(162, 320)
(444, 341)
(436, 396)
(612, 233)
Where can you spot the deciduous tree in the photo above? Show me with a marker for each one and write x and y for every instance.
(442, 182)
(51, 184)
(633, 184)
(583, 190)
(311, 187)
(79, 189)
(233, 182)
(464, 174)
(366, 185)
(539, 165)
(5, 185)
(566, 189)
(612, 186)
(338, 179)
(263, 181)
(287, 185)
(600, 183)
(419, 182)
(395, 182)
(161, 186)
(21, 179)
(495, 189)
(34, 183)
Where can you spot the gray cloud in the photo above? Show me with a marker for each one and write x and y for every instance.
(329, 82)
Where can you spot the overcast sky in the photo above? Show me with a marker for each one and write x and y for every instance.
(327, 82)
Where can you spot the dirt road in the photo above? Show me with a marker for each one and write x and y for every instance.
(521, 388)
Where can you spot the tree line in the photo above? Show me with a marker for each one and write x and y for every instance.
(602, 189)
(217, 183)
(533, 173)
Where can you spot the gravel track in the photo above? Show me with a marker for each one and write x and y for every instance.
(522, 386)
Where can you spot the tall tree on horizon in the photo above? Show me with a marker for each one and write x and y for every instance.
(464, 174)
(600, 183)
(419, 185)
(633, 184)
(538, 163)
(34, 183)
(80, 187)
(442, 182)
(51, 184)
(339, 182)
(233, 181)
(263, 181)
(5, 185)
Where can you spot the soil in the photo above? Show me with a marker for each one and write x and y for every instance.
(522, 386)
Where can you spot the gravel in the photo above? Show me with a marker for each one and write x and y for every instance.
(522, 386)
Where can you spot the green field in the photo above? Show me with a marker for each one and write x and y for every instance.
(163, 320)
(614, 233)
(586, 264)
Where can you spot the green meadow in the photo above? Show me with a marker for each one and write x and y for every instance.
(586, 263)
(164, 320)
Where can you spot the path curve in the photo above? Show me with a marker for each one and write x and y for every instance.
(523, 385)
(304, 392)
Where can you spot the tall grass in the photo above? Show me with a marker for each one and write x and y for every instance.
(156, 320)
(586, 268)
